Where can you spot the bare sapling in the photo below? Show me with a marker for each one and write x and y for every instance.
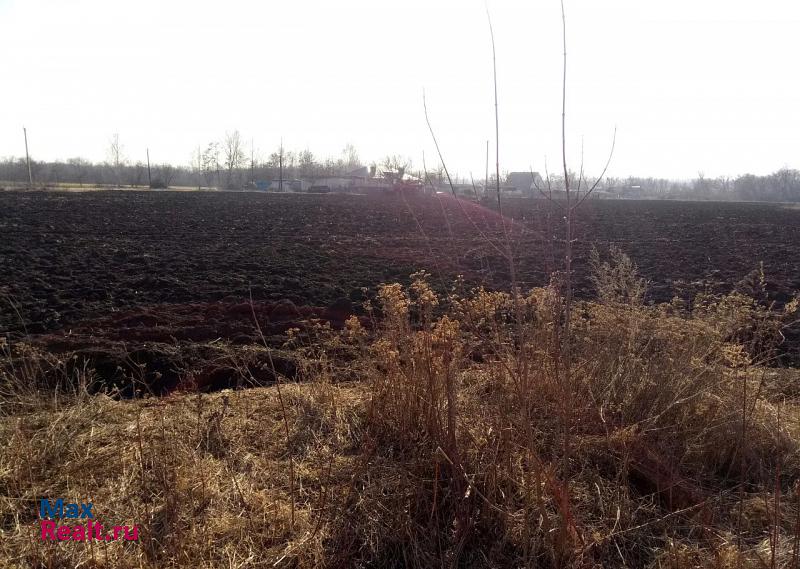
(571, 206)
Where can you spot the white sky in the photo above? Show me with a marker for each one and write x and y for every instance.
(691, 85)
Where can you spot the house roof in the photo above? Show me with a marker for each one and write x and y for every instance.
(523, 180)
(522, 175)
(362, 172)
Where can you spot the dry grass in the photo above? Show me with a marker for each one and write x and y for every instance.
(204, 476)
(453, 448)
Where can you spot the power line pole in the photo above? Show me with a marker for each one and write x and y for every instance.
(149, 179)
(27, 157)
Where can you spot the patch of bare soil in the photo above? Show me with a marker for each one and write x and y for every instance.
(162, 279)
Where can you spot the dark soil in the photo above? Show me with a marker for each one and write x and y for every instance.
(179, 268)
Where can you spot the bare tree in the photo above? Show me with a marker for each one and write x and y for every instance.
(196, 164)
(350, 157)
(165, 174)
(79, 168)
(116, 157)
(252, 163)
(56, 170)
(210, 163)
(306, 163)
(573, 201)
(136, 174)
(234, 156)
(397, 165)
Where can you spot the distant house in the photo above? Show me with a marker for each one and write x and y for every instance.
(338, 182)
(286, 186)
(360, 180)
(333, 183)
(525, 182)
(630, 192)
(359, 174)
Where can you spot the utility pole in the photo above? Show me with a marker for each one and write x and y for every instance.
(28, 158)
(149, 179)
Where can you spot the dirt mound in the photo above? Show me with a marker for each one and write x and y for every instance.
(206, 346)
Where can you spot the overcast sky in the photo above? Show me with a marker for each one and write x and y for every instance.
(692, 86)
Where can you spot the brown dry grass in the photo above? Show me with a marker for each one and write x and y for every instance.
(683, 449)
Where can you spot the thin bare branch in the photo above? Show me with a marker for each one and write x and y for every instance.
(603, 173)
(496, 117)
(450, 182)
(549, 196)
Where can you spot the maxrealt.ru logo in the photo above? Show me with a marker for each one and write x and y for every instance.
(88, 531)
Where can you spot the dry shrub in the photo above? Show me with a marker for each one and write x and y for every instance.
(616, 280)
(657, 406)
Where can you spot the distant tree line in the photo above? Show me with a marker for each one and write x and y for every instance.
(228, 164)
(231, 163)
(780, 186)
